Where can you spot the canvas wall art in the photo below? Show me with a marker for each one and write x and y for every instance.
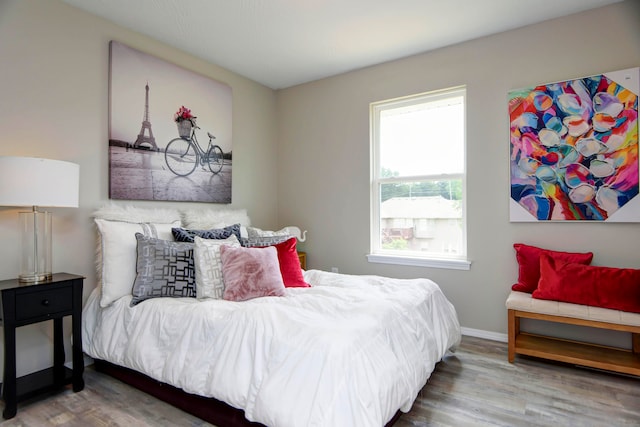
(574, 150)
(169, 131)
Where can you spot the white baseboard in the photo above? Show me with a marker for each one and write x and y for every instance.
(479, 333)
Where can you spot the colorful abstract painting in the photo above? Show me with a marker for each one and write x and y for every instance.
(574, 150)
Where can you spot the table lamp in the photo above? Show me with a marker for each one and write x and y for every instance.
(29, 181)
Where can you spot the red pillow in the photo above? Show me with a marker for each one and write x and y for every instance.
(608, 287)
(529, 264)
(290, 264)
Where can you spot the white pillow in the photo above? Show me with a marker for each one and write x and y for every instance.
(203, 219)
(134, 214)
(117, 254)
(208, 265)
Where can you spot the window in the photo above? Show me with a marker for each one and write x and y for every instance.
(418, 180)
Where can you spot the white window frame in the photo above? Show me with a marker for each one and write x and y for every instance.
(386, 256)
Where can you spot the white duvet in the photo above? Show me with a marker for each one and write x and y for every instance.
(349, 351)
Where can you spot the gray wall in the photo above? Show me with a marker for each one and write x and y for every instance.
(323, 179)
(54, 64)
(301, 155)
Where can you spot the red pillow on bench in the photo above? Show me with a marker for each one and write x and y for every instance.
(528, 258)
(608, 287)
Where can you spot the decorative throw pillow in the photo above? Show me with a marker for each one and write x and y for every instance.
(117, 254)
(257, 237)
(164, 269)
(206, 256)
(608, 287)
(290, 264)
(137, 215)
(528, 258)
(250, 273)
(187, 235)
(202, 219)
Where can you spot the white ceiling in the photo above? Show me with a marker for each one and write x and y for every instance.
(281, 43)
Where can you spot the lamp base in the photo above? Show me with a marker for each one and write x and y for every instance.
(36, 246)
(35, 278)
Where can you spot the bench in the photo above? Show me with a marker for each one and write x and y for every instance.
(521, 305)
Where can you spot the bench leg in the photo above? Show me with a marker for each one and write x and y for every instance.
(635, 343)
(513, 330)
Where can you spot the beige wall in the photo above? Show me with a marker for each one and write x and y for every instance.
(54, 103)
(324, 153)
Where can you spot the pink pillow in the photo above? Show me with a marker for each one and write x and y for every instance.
(528, 258)
(250, 273)
(290, 264)
(608, 287)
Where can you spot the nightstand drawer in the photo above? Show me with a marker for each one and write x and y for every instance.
(43, 303)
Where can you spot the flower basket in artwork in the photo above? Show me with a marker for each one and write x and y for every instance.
(185, 121)
(184, 128)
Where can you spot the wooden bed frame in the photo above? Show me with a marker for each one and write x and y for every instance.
(207, 408)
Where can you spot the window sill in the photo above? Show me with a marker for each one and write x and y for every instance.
(451, 264)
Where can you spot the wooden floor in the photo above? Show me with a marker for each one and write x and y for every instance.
(476, 386)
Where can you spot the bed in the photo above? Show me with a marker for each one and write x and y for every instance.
(347, 350)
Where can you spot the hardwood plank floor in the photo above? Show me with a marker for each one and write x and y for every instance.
(475, 386)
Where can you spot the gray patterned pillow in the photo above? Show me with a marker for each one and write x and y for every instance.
(257, 237)
(163, 269)
(185, 235)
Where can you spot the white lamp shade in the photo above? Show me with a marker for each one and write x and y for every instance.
(29, 181)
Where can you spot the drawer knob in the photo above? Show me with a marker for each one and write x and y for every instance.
(45, 302)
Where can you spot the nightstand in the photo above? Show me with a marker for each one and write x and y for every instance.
(303, 260)
(27, 303)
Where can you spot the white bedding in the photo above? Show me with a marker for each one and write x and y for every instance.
(349, 351)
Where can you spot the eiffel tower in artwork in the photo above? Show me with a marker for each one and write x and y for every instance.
(146, 125)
